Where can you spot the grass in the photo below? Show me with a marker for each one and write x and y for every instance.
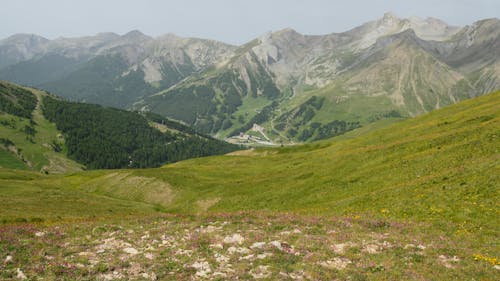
(9, 160)
(431, 180)
(33, 198)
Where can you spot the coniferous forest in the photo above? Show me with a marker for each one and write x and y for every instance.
(109, 138)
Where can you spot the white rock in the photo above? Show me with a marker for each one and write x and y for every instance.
(239, 250)
(219, 274)
(336, 263)
(130, 251)
(258, 245)
(210, 229)
(276, 244)
(149, 256)
(262, 271)
(264, 255)
(39, 234)
(234, 239)
(202, 268)
(20, 274)
(8, 259)
(421, 247)
(217, 246)
(221, 258)
(371, 248)
(248, 257)
(340, 248)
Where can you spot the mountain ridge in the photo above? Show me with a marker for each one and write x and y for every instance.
(408, 66)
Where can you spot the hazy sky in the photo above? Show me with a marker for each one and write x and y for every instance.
(231, 21)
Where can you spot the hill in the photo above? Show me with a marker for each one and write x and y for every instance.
(27, 138)
(39, 130)
(416, 200)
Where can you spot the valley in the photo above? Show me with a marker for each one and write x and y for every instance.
(371, 153)
(414, 200)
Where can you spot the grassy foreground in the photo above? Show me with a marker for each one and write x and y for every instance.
(417, 200)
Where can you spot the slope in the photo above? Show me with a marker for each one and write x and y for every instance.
(446, 160)
(28, 139)
(415, 201)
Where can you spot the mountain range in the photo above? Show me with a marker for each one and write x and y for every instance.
(295, 87)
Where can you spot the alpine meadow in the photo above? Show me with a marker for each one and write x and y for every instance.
(368, 154)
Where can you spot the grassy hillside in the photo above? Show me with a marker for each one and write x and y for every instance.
(439, 166)
(417, 200)
(28, 136)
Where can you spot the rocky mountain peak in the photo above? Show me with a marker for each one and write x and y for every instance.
(389, 18)
(135, 35)
(24, 38)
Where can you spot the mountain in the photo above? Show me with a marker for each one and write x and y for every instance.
(385, 68)
(107, 68)
(413, 201)
(43, 132)
(295, 87)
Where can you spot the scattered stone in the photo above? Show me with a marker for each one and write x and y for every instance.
(448, 262)
(276, 244)
(219, 274)
(202, 268)
(336, 263)
(340, 248)
(216, 246)
(371, 248)
(210, 229)
(409, 246)
(258, 245)
(248, 257)
(184, 252)
(134, 269)
(148, 256)
(234, 239)
(264, 255)
(39, 234)
(8, 259)
(130, 251)
(221, 258)
(239, 250)
(20, 274)
(262, 271)
(150, 276)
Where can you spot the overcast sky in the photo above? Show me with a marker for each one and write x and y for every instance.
(231, 21)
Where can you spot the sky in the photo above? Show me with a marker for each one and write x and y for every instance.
(230, 21)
